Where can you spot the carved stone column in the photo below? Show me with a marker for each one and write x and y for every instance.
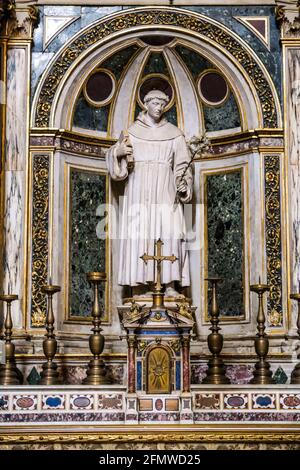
(288, 17)
(131, 340)
(17, 31)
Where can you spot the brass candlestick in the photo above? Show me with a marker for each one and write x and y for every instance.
(49, 375)
(262, 373)
(97, 372)
(295, 376)
(9, 373)
(216, 369)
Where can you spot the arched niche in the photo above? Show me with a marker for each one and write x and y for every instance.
(253, 88)
(250, 82)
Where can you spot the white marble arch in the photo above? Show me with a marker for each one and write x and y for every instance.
(69, 87)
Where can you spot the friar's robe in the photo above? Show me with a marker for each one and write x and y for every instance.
(150, 208)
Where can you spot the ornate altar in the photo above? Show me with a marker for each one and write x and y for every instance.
(158, 353)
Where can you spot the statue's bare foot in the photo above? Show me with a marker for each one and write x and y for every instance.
(171, 292)
(141, 296)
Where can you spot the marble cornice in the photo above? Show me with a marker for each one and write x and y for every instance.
(69, 142)
(150, 2)
(270, 140)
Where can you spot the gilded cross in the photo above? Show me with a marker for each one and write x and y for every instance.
(158, 258)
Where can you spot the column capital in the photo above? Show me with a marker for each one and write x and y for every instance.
(18, 19)
(7, 8)
(288, 18)
(131, 341)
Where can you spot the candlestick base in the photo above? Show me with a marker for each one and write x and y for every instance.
(10, 374)
(49, 375)
(295, 377)
(97, 373)
(216, 372)
(262, 374)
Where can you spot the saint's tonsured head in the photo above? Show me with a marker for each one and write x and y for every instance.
(156, 94)
(155, 102)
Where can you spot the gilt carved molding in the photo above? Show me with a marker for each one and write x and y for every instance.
(168, 17)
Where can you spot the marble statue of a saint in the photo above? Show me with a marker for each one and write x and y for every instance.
(153, 158)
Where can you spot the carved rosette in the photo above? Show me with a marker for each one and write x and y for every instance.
(40, 221)
(164, 17)
(273, 239)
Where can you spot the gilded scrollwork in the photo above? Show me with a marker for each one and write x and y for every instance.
(185, 310)
(273, 239)
(175, 344)
(40, 219)
(155, 17)
(141, 345)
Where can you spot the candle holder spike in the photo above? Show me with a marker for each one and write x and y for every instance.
(49, 374)
(97, 372)
(262, 373)
(295, 376)
(216, 373)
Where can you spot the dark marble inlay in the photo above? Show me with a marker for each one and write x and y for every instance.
(89, 117)
(222, 117)
(156, 64)
(87, 251)
(118, 61)
(225, 235)
(194, 61)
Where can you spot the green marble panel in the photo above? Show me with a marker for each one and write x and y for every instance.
(156, 64)
(89, 117)
(118, 61)
(225, 235)
(194, 61)
(222, 117)
(87, 251)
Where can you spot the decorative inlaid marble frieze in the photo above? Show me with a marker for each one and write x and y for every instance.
(108, 405)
